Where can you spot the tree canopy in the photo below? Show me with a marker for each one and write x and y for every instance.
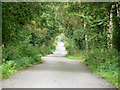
(30, 30)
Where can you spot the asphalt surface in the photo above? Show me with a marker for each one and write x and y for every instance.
(56, 71)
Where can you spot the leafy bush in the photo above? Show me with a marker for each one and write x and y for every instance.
(36, 58)
(0, 55)
(27, 35)
(79, 38)
(11, 52)
(22, 54)
(30, 50)
(8, 69)
(103, 56)
(70, 46)
(44, 50)
(104, 62)
(22, 62)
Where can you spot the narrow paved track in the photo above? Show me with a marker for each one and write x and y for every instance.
(57, 71)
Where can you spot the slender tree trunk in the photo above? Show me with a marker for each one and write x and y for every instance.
(110, 30)
(117, 26)
(86, 36)
(118, 9)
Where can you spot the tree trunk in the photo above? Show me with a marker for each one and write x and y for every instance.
(118, 9)
(110, 30)
(86, 36)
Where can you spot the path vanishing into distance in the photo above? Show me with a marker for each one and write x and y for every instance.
(56, 71)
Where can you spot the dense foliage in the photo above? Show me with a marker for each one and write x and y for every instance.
(29, 30)
(104, 62)
(90, 29)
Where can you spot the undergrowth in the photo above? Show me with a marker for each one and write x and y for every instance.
(17, 57)
(105, 63)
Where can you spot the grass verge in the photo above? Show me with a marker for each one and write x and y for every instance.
(111, 77)
(104, 62)
(77, 56)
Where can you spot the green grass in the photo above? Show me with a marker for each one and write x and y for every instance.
(112, 78)
(77, 56)
(104, 62)
(108, 75)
